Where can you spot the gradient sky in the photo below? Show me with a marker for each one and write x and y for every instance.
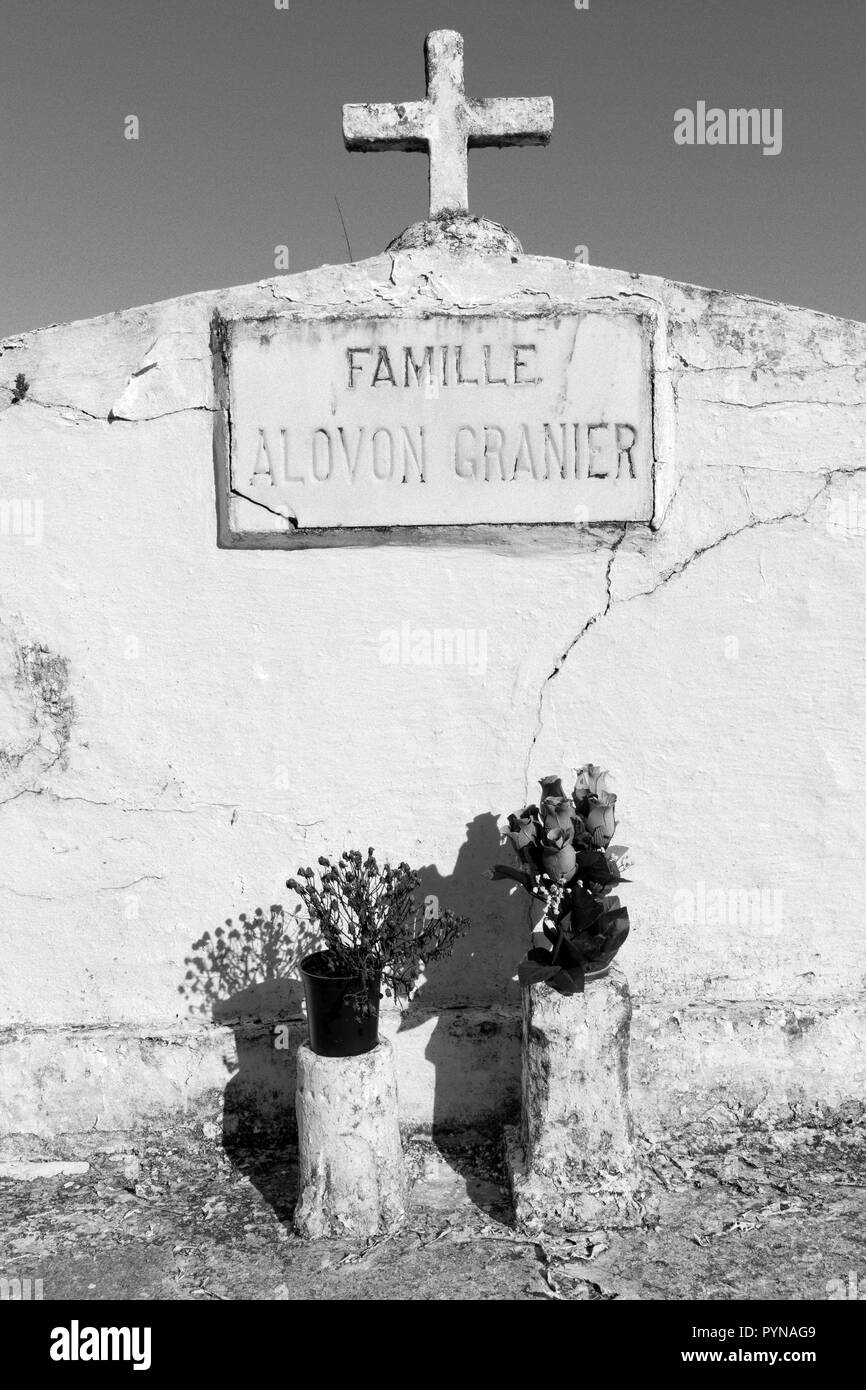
(241, 148)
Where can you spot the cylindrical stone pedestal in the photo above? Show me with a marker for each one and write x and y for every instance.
(351, 1170)
(572, 1158)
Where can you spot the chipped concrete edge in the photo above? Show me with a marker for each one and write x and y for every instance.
(458, 1068)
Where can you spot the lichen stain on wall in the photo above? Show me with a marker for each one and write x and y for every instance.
(37, 713)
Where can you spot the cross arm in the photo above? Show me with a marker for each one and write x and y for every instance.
(385, 126)
(509, 121)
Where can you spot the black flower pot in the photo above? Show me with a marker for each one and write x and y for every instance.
(338, 1026)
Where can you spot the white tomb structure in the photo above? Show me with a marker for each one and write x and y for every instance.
(644, 503)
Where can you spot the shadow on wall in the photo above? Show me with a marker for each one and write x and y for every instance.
(480, 968)
(478, 972)
(243, 978)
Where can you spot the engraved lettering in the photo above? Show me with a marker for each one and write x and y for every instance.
(284, 458)
(461, 380)
(465, 463)
(494, 443)
(525, 461)
(520, 365)
(597, 452)
(354, 366)
(384, 361)
(383, 455)
(322, 462)
(491, 380)
(418, 456)
(262, 464)
(559, 452)
(453, 367)
(426, 364)
(351, 459)
(289, 477)
(314, 437)
(581, 448)
(624, 448)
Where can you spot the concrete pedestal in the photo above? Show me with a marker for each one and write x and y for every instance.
(572, 1161)
(351, 1169)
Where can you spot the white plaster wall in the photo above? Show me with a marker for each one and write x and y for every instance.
(231, 717)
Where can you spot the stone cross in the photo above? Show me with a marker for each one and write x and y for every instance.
(448, 123)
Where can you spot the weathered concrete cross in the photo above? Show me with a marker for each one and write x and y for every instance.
(448, 123)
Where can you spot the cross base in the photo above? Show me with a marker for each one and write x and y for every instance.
(457, 232)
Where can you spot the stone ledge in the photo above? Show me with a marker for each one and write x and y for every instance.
(457, 1068)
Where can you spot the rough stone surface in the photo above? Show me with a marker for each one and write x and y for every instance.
(200, 721)
(575, 1112)
(459, 235)
(574, 1150)
(352, 1173)
(448, 123)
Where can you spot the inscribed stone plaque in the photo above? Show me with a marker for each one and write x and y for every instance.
(440, 420)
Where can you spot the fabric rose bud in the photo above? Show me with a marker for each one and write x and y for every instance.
(560, 863)
(551, 787)
(557, 812)
(523, 830)
(592, 782)
(552, 835)
(601, 820)
(521, 844)
(579, 833)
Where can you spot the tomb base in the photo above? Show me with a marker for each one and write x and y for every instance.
(352, 1176)
(571, 1162)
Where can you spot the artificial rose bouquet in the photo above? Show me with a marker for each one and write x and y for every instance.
(567, 863)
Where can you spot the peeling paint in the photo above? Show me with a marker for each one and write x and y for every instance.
(40, 711)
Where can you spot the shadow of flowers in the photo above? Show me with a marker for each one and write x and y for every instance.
(245, 978)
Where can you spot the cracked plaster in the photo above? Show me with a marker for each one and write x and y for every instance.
(233, 718)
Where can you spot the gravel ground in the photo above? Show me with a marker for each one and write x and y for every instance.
(742, 1214)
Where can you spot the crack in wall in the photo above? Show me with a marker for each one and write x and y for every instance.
(82, 415)
(774, 369)
(590, 623)
(674, 572)
(163, 415)
(670, 503)
(771, 405)
(76, 410)
(73, 897)
(284, 514)
(194, 809)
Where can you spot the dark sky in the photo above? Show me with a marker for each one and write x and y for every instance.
(241, 150)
